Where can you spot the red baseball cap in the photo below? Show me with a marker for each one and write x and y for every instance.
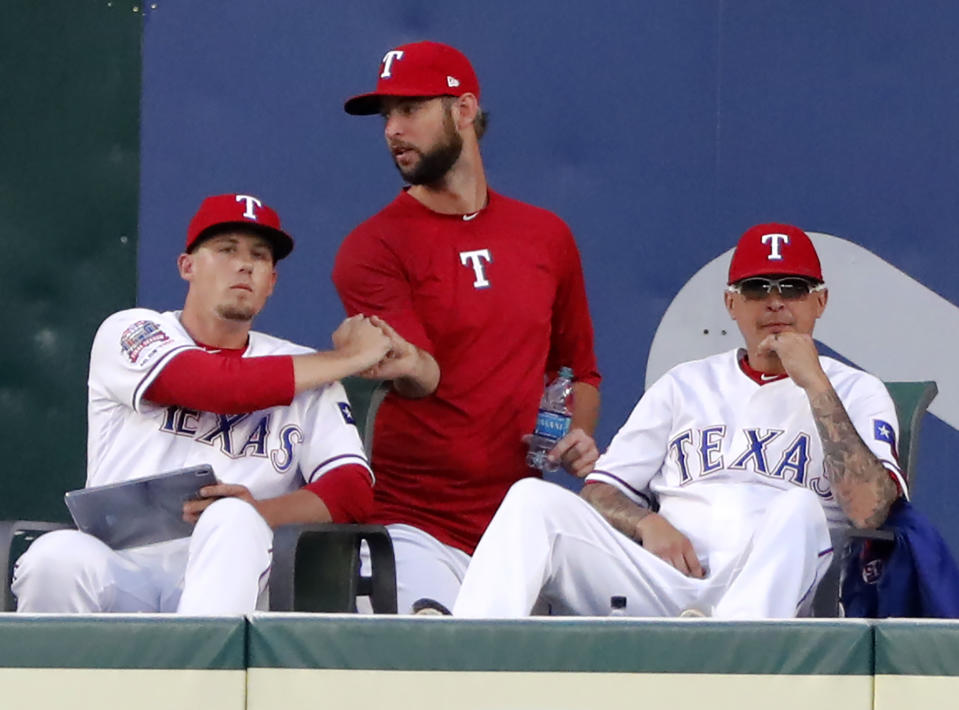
(418, 69)
(235, 210)
(774, 248)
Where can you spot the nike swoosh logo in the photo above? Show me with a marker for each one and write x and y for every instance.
(767, 378)
(468, 217)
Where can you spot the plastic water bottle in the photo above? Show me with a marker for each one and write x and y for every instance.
(617, 606)
(552, 422)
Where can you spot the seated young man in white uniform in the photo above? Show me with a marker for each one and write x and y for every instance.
(751, 454)
(175, 389)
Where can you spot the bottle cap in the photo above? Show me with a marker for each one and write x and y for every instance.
(566, 372)
(617, 602)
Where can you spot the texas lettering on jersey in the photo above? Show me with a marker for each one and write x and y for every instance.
(698, 453)
(236, 435)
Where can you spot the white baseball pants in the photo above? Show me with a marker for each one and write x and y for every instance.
(548, 544)
(222, 569)
(425, 567)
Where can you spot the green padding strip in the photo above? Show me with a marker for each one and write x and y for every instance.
(917, 648)
(122, 642)
(624, 646)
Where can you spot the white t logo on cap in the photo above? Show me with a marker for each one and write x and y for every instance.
(250, 201)
(776, 239)
(388, 60)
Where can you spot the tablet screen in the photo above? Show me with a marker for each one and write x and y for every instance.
(140, 511)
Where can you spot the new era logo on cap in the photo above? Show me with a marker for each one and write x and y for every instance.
(419, 69)
(221, 212)
(774, 248)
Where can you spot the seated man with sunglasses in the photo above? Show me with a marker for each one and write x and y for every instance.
(750, 454)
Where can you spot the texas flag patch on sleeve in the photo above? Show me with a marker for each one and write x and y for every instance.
(346, 412)
(883, 431)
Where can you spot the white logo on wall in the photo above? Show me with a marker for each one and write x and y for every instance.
(896, 333)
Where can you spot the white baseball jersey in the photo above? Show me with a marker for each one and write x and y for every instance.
(271, 451)
(715, 446)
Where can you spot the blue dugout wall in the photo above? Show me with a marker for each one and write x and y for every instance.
(659, 130)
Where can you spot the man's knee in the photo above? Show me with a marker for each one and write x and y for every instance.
(60, 552)
(231, 515)
(57, 561)
(534, 495)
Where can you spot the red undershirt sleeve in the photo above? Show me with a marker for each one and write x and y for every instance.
(347, 493)
(209, 382)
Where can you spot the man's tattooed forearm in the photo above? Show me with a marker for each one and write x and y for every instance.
(859, 481)
(620, 511)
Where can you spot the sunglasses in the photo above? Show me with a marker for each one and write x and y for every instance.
(791, 288)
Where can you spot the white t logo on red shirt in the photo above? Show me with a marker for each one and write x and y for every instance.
(475, 259)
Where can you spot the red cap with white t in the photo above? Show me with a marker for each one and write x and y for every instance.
(234, 210)
(419, 69)
(774, 248)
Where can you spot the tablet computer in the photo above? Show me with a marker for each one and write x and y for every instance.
(140, 511)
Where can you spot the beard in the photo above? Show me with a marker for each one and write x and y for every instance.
(235, 312)
(437, 161)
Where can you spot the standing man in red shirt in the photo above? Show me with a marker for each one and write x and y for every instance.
(483, 298)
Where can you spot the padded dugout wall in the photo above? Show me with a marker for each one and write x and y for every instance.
(352, 662)
(917, 664)
(69, 177)
(556, 664)
(117, 661)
